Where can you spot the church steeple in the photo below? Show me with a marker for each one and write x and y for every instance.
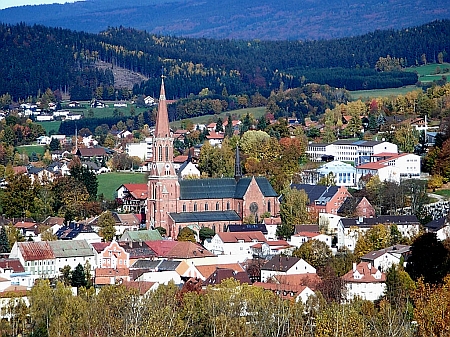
(237, 165)
(162, 129)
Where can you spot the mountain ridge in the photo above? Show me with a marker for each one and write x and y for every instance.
(248, 19)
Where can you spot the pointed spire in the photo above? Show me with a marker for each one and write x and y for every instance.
(237, 165)
(162, 129)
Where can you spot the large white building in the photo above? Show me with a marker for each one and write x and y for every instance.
(344, 174)
(349, 150)
(391, 167)
(143, 150)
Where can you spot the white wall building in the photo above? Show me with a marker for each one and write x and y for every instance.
(364, 281)
(285, 265)
(392, 167)
(349, 150)
(234, 243)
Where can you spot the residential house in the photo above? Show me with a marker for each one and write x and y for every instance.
(91, 153)
(271, 227)
(324, 199)
(137, 250)
(78, 231)
(312, 281)
(383, 259)
(71, 253)
(184, 270)
(110, 276)
(235, 243)
(285, 265)
(294, 293)
(142, 287)
(188, 169)
(206, 270)
(110, 255)
(300, 238)
(133, 197)
(364, 281)
(440, 227)
(349, 229)
(215, 139)
(270, 248)
(344, 174)
(356, 207)
(221, 274)
(141, 236)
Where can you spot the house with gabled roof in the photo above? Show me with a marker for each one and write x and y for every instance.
(324, 199)
(208, 269)
(290, 292)
(110, 255)
(356, 207)
(383, 259)
(110, 276)
(300, 238)
(141, 235)
(37, 258)
(143, 287)
(234, 243)
(285, 265)
(90, 153)
(440, 227)
(221, 274)
(364, 281)
(78, 231)
(137, 250)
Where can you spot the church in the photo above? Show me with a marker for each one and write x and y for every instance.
(174, 203)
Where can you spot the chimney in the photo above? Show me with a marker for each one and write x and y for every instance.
(354, 266)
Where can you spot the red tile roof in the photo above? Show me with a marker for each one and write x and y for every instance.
(100, 246)
(141, 286)
(32, 251)
(215, 135)
(180, 159)
(366, 275)
(310, 280)
(161, 247)
(207, 270)
(25, 224)
(13, 264)
(229, 237)
(285, 291)
(188, 250)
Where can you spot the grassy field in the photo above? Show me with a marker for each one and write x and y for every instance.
(108, 183)
(427, 73)
(255, 112)
(29, 149)
(52, 127)
(364, 94)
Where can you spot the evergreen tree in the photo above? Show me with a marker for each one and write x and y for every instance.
(54, 145)
(229, 128)
(219, 125)
(4, 242)
(78, 278)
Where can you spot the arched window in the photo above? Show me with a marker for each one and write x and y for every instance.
(195, 207)
(217, 206)
(167, 153)
(184, 207)
(239, 207)
(206, 207)
(228, 205)
(160, 153)
(268, 207)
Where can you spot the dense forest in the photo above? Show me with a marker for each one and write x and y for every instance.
(36, 58)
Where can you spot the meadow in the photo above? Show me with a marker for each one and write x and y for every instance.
(30, 149)
(108, 183)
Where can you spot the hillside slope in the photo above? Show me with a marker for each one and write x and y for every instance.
(246, 19)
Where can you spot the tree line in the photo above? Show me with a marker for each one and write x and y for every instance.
(38, 57)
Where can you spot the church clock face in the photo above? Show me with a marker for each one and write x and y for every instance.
(253, 207)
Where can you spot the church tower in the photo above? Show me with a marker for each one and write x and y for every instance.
(163, 186)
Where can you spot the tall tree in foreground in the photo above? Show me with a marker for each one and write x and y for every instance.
(106, 223)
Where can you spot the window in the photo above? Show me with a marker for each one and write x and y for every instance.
(195, 207)
(184, 207)
(206, 207)
(160, 153)
(269, 207)
(167, 153)
(228, 205)
(217, 206)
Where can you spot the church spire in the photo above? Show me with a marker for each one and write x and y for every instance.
(162, 129)
(237, 166)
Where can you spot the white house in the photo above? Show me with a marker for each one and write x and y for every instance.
(344, 174)
(188, 169)
(364, 281)
(137, 150)
(288, 291)
(383, 259)
(285, 265)
(161, 277)
(234, 243)
(300, 238)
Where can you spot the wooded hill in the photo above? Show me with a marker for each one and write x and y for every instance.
(35, 58)
(229, 19)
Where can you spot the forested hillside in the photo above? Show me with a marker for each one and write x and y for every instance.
(229, 19)
(35, 58)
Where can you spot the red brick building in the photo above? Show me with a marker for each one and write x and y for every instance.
(174, 203)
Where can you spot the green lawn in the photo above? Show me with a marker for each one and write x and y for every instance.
(52, 127)
(29, 149)
(427, 73)
(255, 112)
(108, 183)
(444, 193)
